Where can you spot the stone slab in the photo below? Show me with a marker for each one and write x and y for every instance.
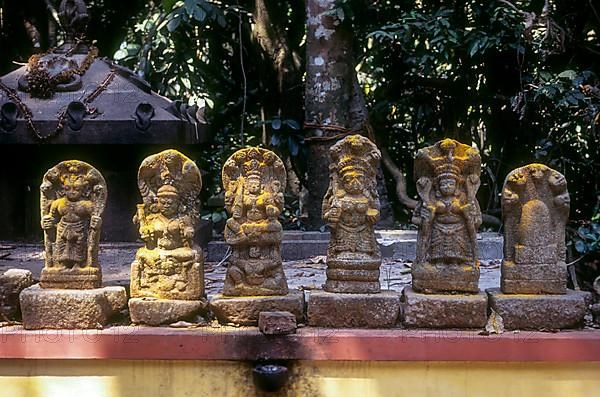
(277, 323)
(245, 310)
(540, 312)
(443, 278)
(151, 311)
(70, 309)
(533, 278)
(337, 310)
(12, 282)
(443, 311)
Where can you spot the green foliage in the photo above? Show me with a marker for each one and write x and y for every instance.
(504, 76)
(587, 238)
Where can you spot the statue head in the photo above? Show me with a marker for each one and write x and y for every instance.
(353, 180)
(447, 185)
(168, 200)
(253, 183)
(73, 187)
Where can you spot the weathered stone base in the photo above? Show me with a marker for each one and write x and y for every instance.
(12, 282)
(352, 287)
(441, 278)
(533, 279)
(70, 309)
(538, 312)
(75, 278)
(151, 311)
(277, 323)
(335, 310)
(244, 310)
(443, 311)
(353, 276)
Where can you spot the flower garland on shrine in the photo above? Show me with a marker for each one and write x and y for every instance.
(48, 85)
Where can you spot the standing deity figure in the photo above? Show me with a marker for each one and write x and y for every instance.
(73, 197)
(535, 208)
(169, 266)
(254, 180)
(448, 216)
(351, 207)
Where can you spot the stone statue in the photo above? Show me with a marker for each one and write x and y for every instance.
(73, 197)
(254, 180)
(74, 17)
(351, 207)
(535, 208)
(168, 266)
(448, 216)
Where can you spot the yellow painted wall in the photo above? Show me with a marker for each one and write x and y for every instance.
(95, 378)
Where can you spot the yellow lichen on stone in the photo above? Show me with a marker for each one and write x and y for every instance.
(169, 266)
(351, 207)
(254, 180)
(73, 197)
(448, 216)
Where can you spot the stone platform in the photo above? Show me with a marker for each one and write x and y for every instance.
(540, 312)
(245, 310)
(443, 311)
(395, 244)
(338, 310)
(155, 312)
(70, 309)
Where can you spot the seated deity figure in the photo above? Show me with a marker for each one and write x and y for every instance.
(73, 196)
(448, 216)
(168, 266)
(254, 180)
(351, 207)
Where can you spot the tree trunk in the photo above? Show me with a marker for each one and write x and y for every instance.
(334, 102)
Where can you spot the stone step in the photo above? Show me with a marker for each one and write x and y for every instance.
(396, 244)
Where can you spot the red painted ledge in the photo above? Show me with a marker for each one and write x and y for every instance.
(145, 343)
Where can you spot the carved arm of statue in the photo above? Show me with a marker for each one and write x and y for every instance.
(424, 215)
(334, 212)
(187, 231)
(237, 211)
(50, 220)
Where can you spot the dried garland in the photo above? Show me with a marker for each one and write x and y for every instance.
(41, 85)
(28, 115)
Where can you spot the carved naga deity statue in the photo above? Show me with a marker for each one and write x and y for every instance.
(351, 207)
(73, 197)
(168, 266)
(448, 216)
(535, 208)
(254, 180)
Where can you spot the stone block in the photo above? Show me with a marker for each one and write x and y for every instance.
(436, 278)
(534, 278)
(536, 312)
(245, 310)
(337, 310)
(277, 323)
(443, 311)
(12, 282)
(151, 311)
(70, 309)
